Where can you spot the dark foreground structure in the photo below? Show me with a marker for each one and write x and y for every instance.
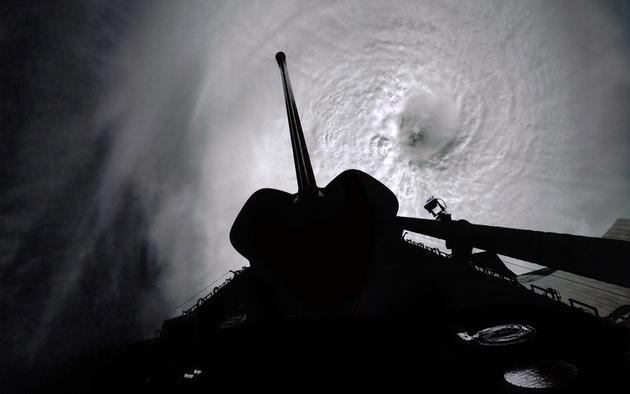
(337, 297)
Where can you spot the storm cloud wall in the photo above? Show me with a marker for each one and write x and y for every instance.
(69, 280)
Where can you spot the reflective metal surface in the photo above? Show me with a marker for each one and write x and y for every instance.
(542, 374)
(505, 334)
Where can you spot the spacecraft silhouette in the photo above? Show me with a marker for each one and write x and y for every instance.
(319, 237)
(336, 294)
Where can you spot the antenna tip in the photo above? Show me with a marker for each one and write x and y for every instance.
(280, 58)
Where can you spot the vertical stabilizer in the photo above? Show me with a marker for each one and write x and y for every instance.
(303, 168)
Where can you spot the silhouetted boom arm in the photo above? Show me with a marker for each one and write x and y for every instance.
(603, 259)
(303, 169)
